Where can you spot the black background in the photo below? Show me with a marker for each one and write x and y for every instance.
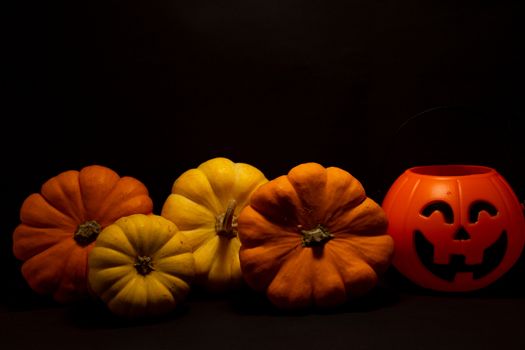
(153, 88)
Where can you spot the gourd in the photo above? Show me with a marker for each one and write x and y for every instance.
(204, 204)
(141, 266)
(59, 225)
(313, 238)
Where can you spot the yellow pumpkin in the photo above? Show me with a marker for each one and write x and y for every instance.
(141, 266)
(204, 204)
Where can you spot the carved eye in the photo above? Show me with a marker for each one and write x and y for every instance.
(441, 206)
(477, 207)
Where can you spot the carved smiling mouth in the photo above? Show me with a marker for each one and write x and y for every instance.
(492, 257)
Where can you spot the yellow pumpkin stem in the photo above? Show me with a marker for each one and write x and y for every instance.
(144, 265)
(316, 236)
(87, 232)
(226, 224)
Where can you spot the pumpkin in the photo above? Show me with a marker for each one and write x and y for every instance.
(59, 225)
(141, 266)
(204, 204)
(313, 238)
(457, 228)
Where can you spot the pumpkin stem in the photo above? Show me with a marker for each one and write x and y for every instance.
(87, 232)
(226, 224)
(144, 265)
(316, 236)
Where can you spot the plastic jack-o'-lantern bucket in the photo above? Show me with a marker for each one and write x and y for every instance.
(456, 228)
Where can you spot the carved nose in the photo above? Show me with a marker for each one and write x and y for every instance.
(461, 235)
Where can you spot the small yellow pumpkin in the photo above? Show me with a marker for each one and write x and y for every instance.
(204, 204)
(141, 266)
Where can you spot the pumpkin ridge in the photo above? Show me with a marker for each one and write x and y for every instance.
(278, 251)
(178, 259)
(161, 246)
(359, 252)
(220, 256)
(165, 276)
(205, 219)
(349, 206)
(287, 257)
(341, 265)
(200, 205)
(66, 183)
(343, 192)
(114, 245)
(352, 220)
(215, 189)
(211, 246)
(334, 260)
(31, 261)
(164, 279)
(43, 227)
(129, 225)
(109, 294)
(83, 191)
(213, 205)
(243, 202)
(273, 230)
(295, 249)
(70, 221)
(375, 265)
(345, 244)
(307, 189)
(20, 250)
(235, 267)
(319, 283)
(178, 238)
(210, 235)
(81, 202)
(125, 288)
(290, 229)
(295, 258)
(161, 243)
(139, 190)
(63, 195)
(83, 286)
(101, 248)
(155, 287)
(127, 238)
(380, 266)
(276, 198)
(62, 276)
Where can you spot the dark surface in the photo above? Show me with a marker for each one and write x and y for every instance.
(385, 319)
(153, 88)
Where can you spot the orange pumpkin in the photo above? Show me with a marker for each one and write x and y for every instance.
(313, 238)
(59, 225)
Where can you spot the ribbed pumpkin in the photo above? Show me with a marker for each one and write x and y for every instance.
(59, 225)
(204, 204)
(313, 238)
(141, 266)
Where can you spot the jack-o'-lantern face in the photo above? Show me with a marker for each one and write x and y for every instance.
(454, 232)
(447, 245)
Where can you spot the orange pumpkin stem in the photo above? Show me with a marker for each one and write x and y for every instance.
(144, 265)
(316, 237)
(87, 232)
(226, 224)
